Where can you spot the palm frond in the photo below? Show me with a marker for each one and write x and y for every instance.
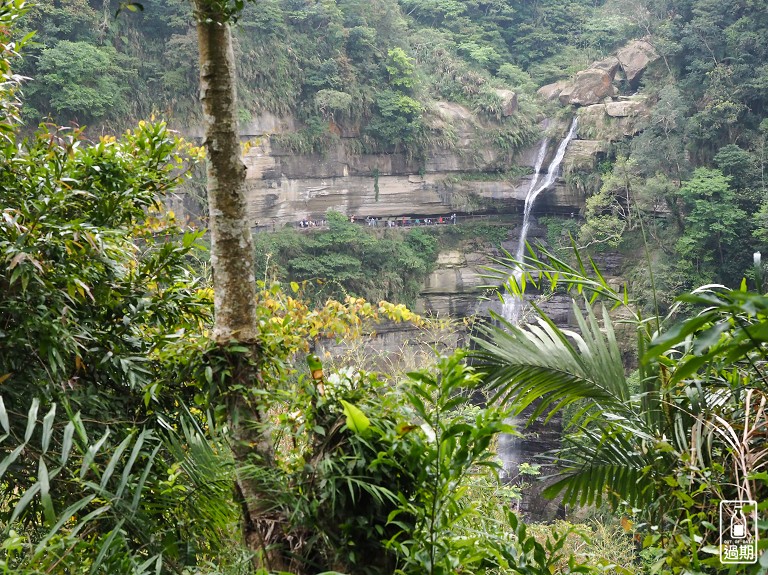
(209, 473)
(607, 460)
(552, 366)
(543, 269)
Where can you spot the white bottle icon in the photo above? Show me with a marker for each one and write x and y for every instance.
(738, 523)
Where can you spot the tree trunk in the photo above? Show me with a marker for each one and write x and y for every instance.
(231, 241)
(232, 261)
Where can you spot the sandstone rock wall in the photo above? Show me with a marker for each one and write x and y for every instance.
(284, 188)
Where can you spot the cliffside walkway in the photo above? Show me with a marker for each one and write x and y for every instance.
(406, 221)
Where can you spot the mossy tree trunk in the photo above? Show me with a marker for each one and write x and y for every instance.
(232, 260)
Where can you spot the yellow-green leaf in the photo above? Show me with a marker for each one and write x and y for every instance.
(356, 419)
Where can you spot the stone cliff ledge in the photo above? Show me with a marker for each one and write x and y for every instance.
(284, 188)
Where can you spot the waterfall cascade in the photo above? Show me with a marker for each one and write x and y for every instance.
(511, 449)
(512, 305)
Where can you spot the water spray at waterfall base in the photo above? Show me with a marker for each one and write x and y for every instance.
(512, 304)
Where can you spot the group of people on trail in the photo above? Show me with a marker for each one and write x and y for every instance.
(374, 222)
(427, 221)
(311, 223)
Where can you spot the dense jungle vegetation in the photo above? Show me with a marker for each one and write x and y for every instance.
(122, 444)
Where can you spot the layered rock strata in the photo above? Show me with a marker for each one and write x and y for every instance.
(284, 187)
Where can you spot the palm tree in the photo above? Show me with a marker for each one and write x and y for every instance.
(669, 441)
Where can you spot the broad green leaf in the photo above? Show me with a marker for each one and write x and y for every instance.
(10, 458)
(114, 460)
(91, 453)
(24, 501)
(131, 460)
(143, 480)
(356, 419)
(45, 491)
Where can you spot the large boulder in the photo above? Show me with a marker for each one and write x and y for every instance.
(609, 65)
(552, 91)
(634, 59)
(592, 120)
(508, 102)
(589, 87)
(454, 112)
(626, 108)
(583, 155)
(612, 121)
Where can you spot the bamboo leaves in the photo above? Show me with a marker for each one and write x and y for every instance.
(42, 464)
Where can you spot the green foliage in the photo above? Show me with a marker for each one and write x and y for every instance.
(313, 139)
(475, 234)
(560, 232)
(661, 146)
(399, 121)
(105, 320)
(331, 103)
(452, 447)
(382, 479)
(72, 20)
(349, 259)
(400, 69)
(336, 60)
(651, 193)
(10, 103)
(99, 504)
(94, 296)
(82, 81)
(76, 289)
(516, 77)
(604, 544)
(481, 55)
(739, 165)
(714, 228)
(609, 212)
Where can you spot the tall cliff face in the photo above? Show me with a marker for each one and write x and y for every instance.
(463, 173)
(284, 187)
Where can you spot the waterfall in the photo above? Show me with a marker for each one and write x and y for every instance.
(512, 305)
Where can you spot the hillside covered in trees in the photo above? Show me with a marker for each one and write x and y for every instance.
(382, 61)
